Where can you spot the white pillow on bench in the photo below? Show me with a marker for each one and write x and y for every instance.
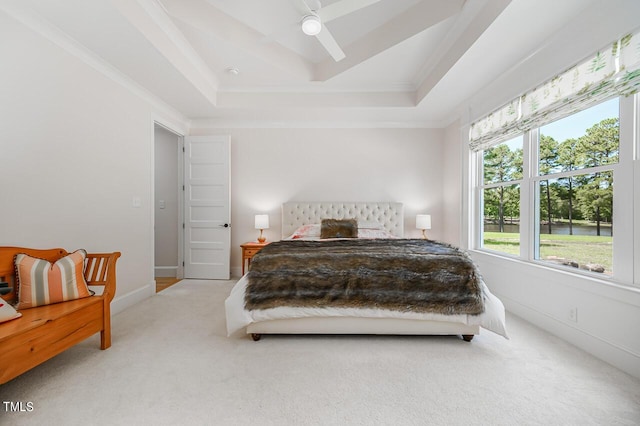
(7, 312)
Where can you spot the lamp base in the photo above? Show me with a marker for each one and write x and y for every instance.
(261, 238)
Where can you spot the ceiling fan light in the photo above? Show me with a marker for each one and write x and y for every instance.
(311, 25)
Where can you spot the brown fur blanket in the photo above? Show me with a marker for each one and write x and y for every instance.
(397, 274)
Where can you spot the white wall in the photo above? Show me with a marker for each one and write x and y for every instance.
(272, 166)
(166, 179)
(76, 148)
(451, 185)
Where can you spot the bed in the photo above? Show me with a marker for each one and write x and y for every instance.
(379, 225)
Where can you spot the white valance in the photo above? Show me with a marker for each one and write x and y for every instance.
(612, 72)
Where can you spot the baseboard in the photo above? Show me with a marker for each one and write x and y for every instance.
(120, 303)
(599, 347)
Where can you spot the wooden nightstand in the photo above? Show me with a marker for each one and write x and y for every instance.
(248, 251)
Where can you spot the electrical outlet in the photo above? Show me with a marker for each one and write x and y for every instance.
(573, 314)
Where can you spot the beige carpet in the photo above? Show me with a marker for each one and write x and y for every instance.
(171, 364)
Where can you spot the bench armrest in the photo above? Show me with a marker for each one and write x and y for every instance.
(100, 270)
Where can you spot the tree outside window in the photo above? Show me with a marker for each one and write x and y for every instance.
(502, 171)
(576, 189)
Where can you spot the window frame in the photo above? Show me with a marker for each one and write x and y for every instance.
(625, 266)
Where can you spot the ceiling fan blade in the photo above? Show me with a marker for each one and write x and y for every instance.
(302, 7)
(341, 8)
(329, 43)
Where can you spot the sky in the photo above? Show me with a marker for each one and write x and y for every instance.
(576, 125)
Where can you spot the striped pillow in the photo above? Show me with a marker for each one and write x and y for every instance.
(41, 283)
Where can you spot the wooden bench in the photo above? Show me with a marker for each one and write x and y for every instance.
(45, 331)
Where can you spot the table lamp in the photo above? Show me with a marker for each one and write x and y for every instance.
(423, 222)
(262, 223)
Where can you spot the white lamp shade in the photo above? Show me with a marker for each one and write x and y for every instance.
(262, 221)
(423, 221)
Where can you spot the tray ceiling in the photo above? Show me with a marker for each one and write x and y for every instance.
(411, 62)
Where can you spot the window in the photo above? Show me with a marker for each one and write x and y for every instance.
(563, 187)
(502, 174)
(567, 218)
(576, 160)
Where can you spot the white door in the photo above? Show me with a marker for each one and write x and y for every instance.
(207, 207)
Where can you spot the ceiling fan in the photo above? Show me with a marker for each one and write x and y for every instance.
(315, 16)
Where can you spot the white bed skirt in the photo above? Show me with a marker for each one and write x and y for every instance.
(356, 321)
(353, 325)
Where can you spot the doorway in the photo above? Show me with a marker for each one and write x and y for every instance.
(192, 228)
(168, 207)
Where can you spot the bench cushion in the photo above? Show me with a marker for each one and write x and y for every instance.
(42, 283)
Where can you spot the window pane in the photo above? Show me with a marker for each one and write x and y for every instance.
(502, 219)
(588, 138)
(576, 221)
(503, 162)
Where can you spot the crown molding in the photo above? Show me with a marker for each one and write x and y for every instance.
(347, 100)
(320, 87)
(202, 124)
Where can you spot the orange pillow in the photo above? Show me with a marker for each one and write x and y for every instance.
(42, 283)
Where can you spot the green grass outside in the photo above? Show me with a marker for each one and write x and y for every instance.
(580, 248)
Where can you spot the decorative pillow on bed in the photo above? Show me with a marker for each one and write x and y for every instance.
(7, 312)
(339, 228)
(42, 283)
(307, 231)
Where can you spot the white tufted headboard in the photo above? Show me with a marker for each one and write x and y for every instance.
(296, 214)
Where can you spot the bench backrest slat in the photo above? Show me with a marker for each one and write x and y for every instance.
(96, 268)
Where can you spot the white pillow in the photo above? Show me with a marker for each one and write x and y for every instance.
(369, 224)
(374, 233)
(7, 312)
(366, 229)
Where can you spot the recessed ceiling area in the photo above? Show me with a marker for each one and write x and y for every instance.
(408, 62)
